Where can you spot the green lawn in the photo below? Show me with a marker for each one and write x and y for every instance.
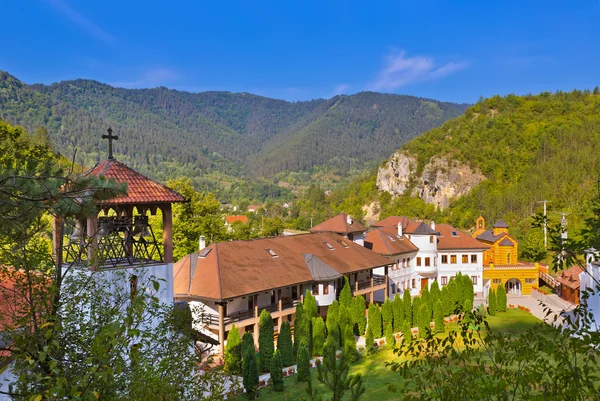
(377, 377)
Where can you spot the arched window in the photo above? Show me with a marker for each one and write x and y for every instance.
(508, 258)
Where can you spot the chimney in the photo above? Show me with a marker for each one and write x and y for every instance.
(400, 228)
(432, 225)
(349, 220)
(202, 244)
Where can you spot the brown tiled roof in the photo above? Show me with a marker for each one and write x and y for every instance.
(385, 240)
(570, 277)
(140, 189)
(338, 224)
(233, 219)
(236, 268)
(408, 225)
(459, 241)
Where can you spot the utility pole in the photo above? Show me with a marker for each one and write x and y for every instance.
(545, 223)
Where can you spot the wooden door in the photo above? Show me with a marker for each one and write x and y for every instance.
(424, 283)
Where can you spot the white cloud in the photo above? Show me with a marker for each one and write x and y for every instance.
(150, 79)
(341, 89)
(400, 70)
(79, 19)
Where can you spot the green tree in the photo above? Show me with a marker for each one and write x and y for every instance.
(265, 340)
(468, 308)
(369, 341)
(300, 328)
(319, 336)
(359, 314)
(436, 293)
(398, 311)
(250, 373)
(310, 305)
(333, 323)
(284, 344)
(416, 309)
(233, 351)
(41, 137)
(277, 372)
(247, 343)
(426, 297)
(453, 295)
(532, 247)
(446, 301)
(389, 336)
(350, 344)
(406, 301)
(492, 302)
(375, 320)
(424, 320)
(333, 373)
(438, 316)
(501, 299)
(406, 333)
(346, 294)
(303, 366)
(387, 313)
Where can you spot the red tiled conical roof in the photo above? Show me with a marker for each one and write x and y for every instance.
(140, 189)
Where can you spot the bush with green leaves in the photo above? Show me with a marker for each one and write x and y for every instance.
(285, 345)
(319, 336)
(300, 331)
(446, 301)
(333, 373)
(310, 305)
(468, 311)
(389, 336)
(250, 373)
(436, 293)
(426, 297)
(303, 365)
(233, 351)
(369, 341)
(424, 320)
(375, 320)
(359, 314)
(344, 320)
(387, 313)
(501, 298)
(453, 296)
(333, 323)
(277, 372)
(266, 345)
(416, 306)
(398, 311)
(406, 333)
(438, 317)
(346, 294)
(350, 344)
(406, 301)
(492, 302)
(248, 343)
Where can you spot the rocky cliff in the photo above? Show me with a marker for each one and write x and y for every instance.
(440, 181)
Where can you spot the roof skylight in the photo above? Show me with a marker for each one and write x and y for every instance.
(329, 246)
(454, 233)
(344, 244)
(204, 253)
(272, 253)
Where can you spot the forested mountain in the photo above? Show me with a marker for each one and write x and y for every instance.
(168, 133)
(529, 148)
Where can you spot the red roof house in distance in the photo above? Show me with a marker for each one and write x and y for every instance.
(343, 225)
(232, 219)
(253, 208)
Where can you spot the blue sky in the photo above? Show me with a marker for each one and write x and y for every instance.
(297, 50)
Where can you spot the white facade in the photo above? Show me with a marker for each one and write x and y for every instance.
(589, 280)
(469, 263)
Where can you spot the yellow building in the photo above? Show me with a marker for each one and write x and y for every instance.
(500, 263)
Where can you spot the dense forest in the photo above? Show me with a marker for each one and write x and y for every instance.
(216, 137)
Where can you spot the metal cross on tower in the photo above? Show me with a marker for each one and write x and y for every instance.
(110, 138)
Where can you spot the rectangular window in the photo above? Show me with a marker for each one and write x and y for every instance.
(465, 258)
(427, 261)
(419, 261)
(431, 239)
(529, 281)
(444, 259)
(393, 288)
(496, 281)
(294, 292)
(325, 288)
(414, 283)
(444, 280)
(473, 258)
(474, 280)
(315, 289)
(453, 259)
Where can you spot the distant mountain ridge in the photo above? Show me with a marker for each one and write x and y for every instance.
(167, 133)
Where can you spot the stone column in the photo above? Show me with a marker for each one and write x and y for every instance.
(221, 329)
(93, 256)
(167, 233)
(386, 290)
(280, 320)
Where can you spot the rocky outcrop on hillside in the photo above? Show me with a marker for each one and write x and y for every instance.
(439, 183)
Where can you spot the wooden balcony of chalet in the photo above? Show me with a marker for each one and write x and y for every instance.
(375, 283)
